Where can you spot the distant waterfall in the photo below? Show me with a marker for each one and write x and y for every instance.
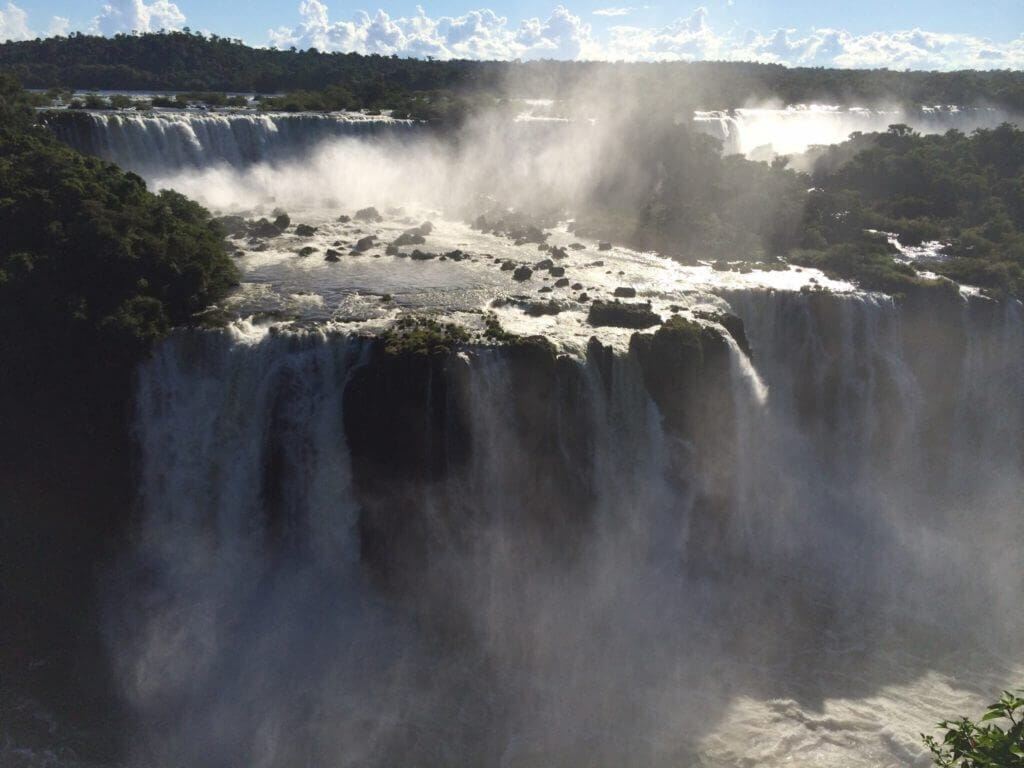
(571, 581)
(759, 132)
(157, 142)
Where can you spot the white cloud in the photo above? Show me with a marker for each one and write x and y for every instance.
(136, 16)
(483, 34)
(14, 24)
(59, 26)
(480, 34)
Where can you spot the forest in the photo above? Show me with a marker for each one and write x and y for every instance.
(191, 61)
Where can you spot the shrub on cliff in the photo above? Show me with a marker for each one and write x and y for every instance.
(995, 741)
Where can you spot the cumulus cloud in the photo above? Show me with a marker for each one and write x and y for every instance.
(136, 16)
(484, 34)
(14, 24)
(480, 34)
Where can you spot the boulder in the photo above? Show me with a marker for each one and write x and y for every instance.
(559, 253)
(305, 230)
(307, 250)
(369, 214)
(263, 228)
(522, 273)
(418, 255)
(283, 221)
(625, 292)
(562, 282)
(619, 315)
(392, 250)
(604, 245)
(544, 264)
(409, 237)
(344, 219)
(425, 228)
(508, 266)
(556, 271)
(364, 244)
(577, 246)
(332, 255)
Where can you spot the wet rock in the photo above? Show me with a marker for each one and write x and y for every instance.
(556, 271)
(263, 228)
(545, 289)
(508, 266)
(522, 273)
(625, 292)
(562, 282)
(283, 221)
(577, 286)
(332, 255)
(541, 308)
(307, 250)
(583, 297)
(425, 228)
(455, 255)
(305, 230)
(364, 244)
(559, 253)
(409, 237)
(391, 250)
(544, 264)
(418, 255)
(620, 315)
(344, 219)
(604, 245)
(235, 226)
(369, 214)
(577, 246)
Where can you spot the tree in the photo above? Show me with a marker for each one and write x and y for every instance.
(996, 741)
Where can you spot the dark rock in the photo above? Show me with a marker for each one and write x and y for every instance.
(732, 324)
(425, 228)
(480, 223)
(577, 286)
(508, 266)
(391, 250)
(364, 244)
(619, 315)
(409, 237)
(625, 292)
(604, 245)
(369, 214)
(577, 246)
(307, 250)
(522, 273)
(332, 255)
(562, 282)
(583, 297)
(556, 271)
(305, 230)
(544, 264)
(455, 255)
(283, 221)
(541, 308)
(543, 247)
(545, 289)
(418, 255)
(263, 228)
(559, 253)
(234, 226)
(344, 219)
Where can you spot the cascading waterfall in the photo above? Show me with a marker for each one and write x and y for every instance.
(756, 131)
(582, 587)
(147, 143)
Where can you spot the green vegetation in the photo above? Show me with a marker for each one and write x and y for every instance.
(995, 741)
(188, 61)
(422, 336)
(93, 267)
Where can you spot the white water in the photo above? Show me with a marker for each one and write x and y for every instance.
(862, 584)
(760, 133)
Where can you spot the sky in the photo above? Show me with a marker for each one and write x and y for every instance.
(908, 34)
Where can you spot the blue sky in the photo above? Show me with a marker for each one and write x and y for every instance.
(914, 34)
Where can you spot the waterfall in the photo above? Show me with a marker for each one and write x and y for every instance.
(758, 132)
(154, 142)
(557, 575)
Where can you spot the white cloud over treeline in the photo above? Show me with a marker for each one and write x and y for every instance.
(563, 34)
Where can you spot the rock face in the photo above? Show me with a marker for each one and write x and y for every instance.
(407, 420)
